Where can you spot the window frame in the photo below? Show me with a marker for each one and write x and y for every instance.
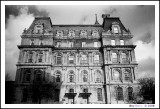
(99, 94)
(113, 42)
(120, 95)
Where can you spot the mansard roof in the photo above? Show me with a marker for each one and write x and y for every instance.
(107, 23)
(77, 27)
(45, 21)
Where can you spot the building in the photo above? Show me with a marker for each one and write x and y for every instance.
(95, 63)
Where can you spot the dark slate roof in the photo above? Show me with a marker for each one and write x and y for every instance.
(46, 21)
(107, 24)
(77, 28)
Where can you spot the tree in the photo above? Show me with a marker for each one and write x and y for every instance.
(44, 90)
(147, 89)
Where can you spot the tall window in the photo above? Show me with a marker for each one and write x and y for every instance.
(96, 58)
(95, 44)
(58, 44)
(116, 75)
(127, 76)
(99, 94)
(115, 29)
(30, 59)
(114, 57)
(40, 57)
(59, 59)
(70, 44)
(113, 42)
(83, 44)
(83, 58)
(71, 59)
(32, 42)
(71, 76)
(121, 42)
(98, 76)
(40, 42)
(71, 90)
(130, 93)
(85, 76)
(119, 93)
(38, 75)
(124, 57)
(58, 76)
(27, 76)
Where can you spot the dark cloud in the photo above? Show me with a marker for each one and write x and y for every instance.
(16, 10)
(146, 38)
(34, 10)
(11, 10)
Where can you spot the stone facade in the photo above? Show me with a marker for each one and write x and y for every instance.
(95, 63)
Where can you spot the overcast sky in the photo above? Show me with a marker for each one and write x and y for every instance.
(139, 19)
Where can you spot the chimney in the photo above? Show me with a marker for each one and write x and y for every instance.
(105, 16)
(96, 23)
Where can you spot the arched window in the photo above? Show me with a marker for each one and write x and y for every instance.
(114, 57)
(40, 57)
(99, 94)
(58, 76)
(96, 58)
(27, 76)
(71, 90)
(119, 93)
(71, 59)
(98, 76)
(71, 76)
(130, 93)
(83, 58)
(124, 57)
(30, 59)
(85, 76)
(38, 75)
(127, 76)
(117, 75)
(59, 59)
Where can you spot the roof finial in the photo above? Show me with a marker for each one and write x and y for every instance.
(96, 23)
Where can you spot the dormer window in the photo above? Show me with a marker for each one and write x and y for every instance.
(39, 29)
(71, 33)
(95, 33)
(115, 28)
(59, 33)
(83, 33)
(113, 42)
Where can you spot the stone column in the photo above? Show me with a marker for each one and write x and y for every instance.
(122, 74)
